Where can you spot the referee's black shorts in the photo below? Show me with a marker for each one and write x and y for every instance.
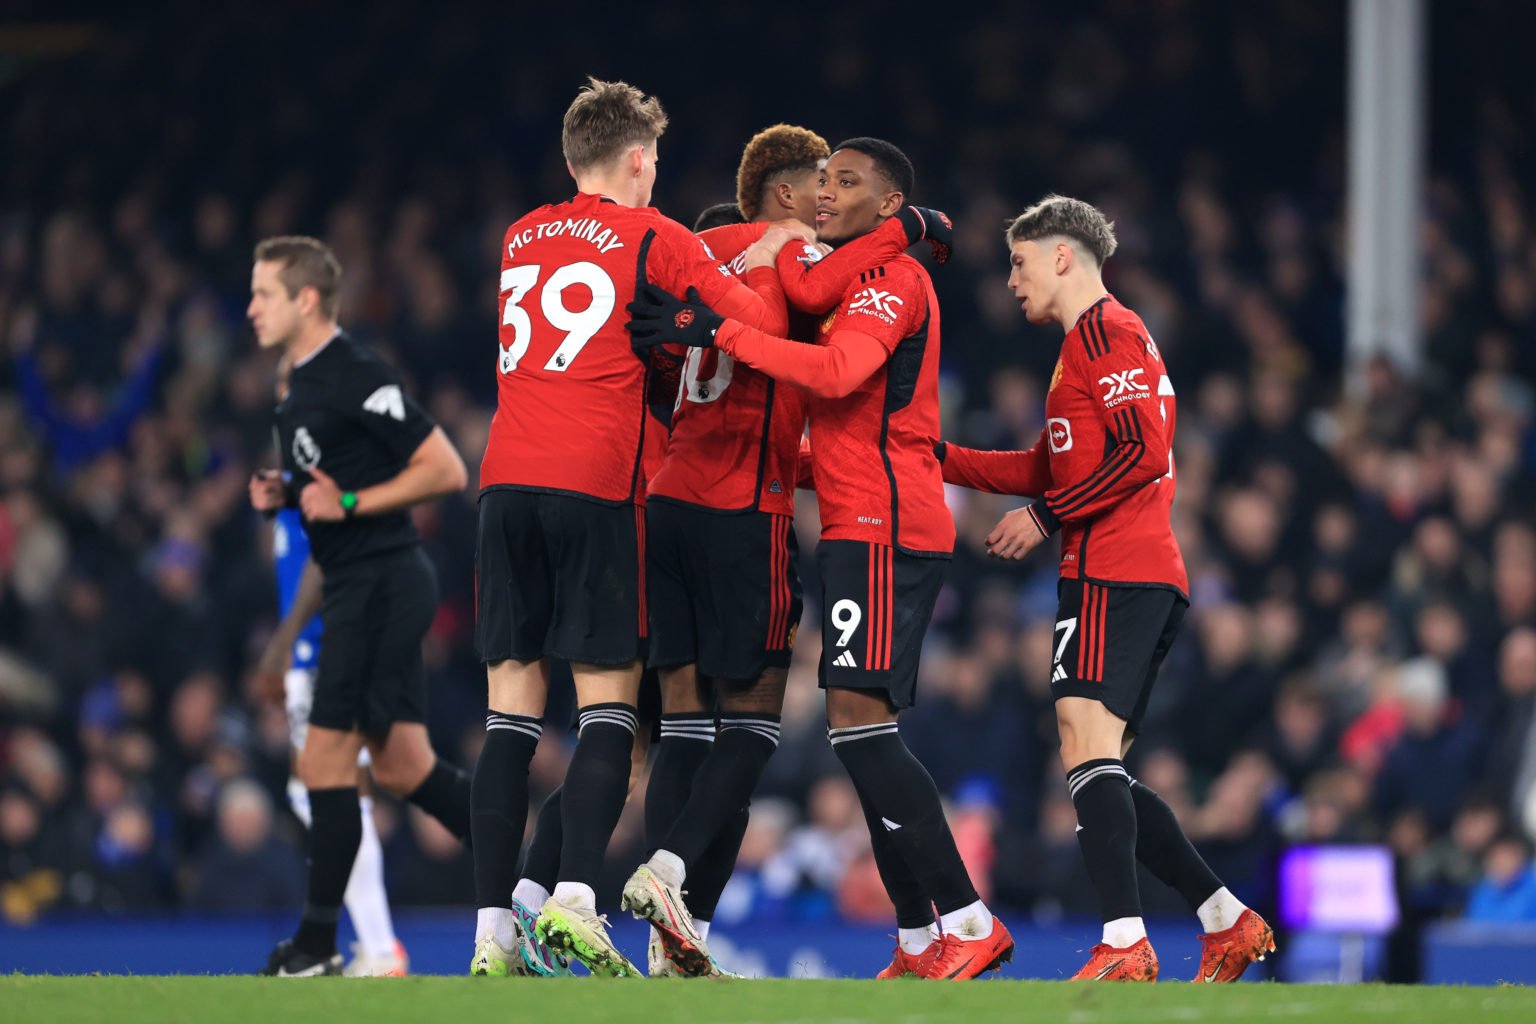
(1110, 641)
(376, 612)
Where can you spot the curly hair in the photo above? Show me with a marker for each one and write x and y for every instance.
(772, 152)
(1070, 218)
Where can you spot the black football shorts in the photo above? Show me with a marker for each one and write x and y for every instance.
(876, 602)
(1110, 641)
(376, 612)
(722, 590)
(558, 575)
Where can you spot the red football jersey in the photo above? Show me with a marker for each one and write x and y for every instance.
(570, 412)
(872, 459)
(1102, 471)
(735, 432)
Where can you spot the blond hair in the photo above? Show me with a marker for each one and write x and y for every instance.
(607, 118)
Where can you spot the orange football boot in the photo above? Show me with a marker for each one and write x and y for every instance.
(1226, 954)
(1133, 963)
(904, 964)
(959, 958)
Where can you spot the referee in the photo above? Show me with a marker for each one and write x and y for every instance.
(345, 411)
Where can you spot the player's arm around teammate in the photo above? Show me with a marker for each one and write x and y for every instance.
(887, 538)
(723, 591)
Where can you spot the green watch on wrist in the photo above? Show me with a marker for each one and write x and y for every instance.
(349, 504)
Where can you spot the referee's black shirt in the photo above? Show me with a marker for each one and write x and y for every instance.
(346, 413)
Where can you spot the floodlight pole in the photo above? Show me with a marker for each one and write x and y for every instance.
(1386, 173)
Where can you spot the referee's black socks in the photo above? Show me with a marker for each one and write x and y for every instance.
(1106, 831)
(444, 794)
(901, 801)
(335, 833)
(499, 804)
(596, 785)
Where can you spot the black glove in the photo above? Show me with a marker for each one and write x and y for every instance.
(940, 449)
(931, 226)
(657, 317)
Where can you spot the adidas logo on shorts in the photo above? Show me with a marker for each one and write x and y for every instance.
(1058, 675)
(846, 660)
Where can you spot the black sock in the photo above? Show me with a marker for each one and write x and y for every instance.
(1106, 819)
(708, 878)
(913, 907)
(1167, 852)
(686, 740)
(901, 800)
(335, 832)
(596, 784)
(499, 804)
(444, 794)
(723, 785)
(542, 862)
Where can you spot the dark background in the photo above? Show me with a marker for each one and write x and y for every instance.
(1360, 662)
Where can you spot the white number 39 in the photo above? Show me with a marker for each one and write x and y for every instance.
(579, 325)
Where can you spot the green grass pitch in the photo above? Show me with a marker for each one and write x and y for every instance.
(172, 1000)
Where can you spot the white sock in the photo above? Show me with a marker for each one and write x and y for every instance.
(576, 894)
(366, 901)
(531, 894)
(298, 799)
(703, 927)
(1124, 932)
(669, 866)
(497, 923)
(915, 940)
(973, 921)
(1220, 911)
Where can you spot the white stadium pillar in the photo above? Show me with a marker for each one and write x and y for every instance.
(1386, 118)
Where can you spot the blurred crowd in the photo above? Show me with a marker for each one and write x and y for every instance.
(1359, 664)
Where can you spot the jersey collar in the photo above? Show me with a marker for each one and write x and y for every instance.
(1089, 309)
(311, 357)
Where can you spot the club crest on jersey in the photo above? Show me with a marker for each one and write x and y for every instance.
(874, 302)
(683, 319)
(1055, 375)
(1059, 431)
(306, 453)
